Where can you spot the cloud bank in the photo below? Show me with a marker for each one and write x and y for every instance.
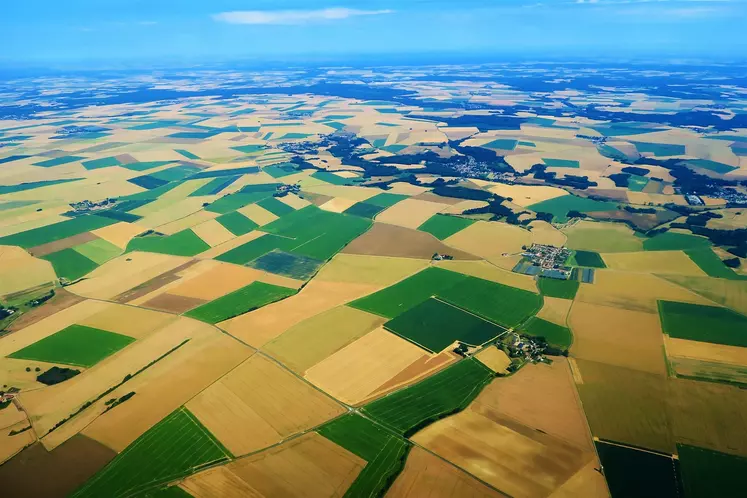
(293, 16)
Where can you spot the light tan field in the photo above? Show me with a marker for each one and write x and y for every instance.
(311, 341)
(260, 326)
(660, 262)
(587, 482)
(490, 240)
(49, 325)
(310, 466)
(337, 204)
(127, 320)
(20, 271)
(230, 244)
(545, 233)
(383, 239)
(487, 271)
(187, 222)
(509, 456)
(526, 195)
(11, 445)
(730, 293)
(494, 358)
(213, 233)
(522, 396)
(13, 373)
(353, 373)
(708, 415)
(10, 416)
(259, 404)
(461, 207)
(257, 214)
(120, 233)
(409, 213)
(429, 476)
(406, 189)
(169, 383)
(625, 338)
(705, 351)
(356, 194)
(177, 211)
(555, 310)
(633, 291)
(362, 269)
(123, 273)
(294, 201)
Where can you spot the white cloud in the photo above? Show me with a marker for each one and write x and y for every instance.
(292, 16)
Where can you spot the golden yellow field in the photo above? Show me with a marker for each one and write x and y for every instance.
(616, 336)
(490, 240)
(309, 466)
(20, 271)
(258, 214)
(494, 358)
(337, 204)
(355, 372)
(311, 341)
(730, 293)
(555, 310)
(213, 233)
(363, 269)
(660, 262)
(260, 326)
(259, 404)
(545, 233)
(525, 195)
(120, 233)
(427, 475)
(409, 213)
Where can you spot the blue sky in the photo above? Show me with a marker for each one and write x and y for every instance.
(55, 31)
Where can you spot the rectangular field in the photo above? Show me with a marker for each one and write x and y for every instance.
(554, 334)
(442, 226)
(656, 474)
(184, 243)
(708, 473)
(553, 287)
(56, 231)
(703, 323)
(70, 264)
(384, 452)
(447, 392)
(434, 325)
(253, 296)
(75, 345)
(589, 258)
(177, 446)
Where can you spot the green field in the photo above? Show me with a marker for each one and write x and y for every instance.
(332, 178)
(554, 334)
(175, 447)
(697, 322)
(637, 183)
(403, 295)
(76, 345)
(9, 189)
(707, 473)
(710, 263)
(442, 226)
(280, 170)
(99, 251)
(215, 186)
(254, 249)
(671, 241)
(236, 223)
(449, 391)
(385, 199)
(70, 264)
(104, 162)
(602, 238)
(560, 163)
(553, 287)
(507, 306)
(376, 204)
(501, 143)
(660, 150)
(384, 452)
(56, 231)
(655, 475)
(276, 207)
(560, 206)
(184, 243)
(58, 161)
(238, 200)
(434, 325)
(251, 297)
(287, 264)
(716, 166)
(589, 259)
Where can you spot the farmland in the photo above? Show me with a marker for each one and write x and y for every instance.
(384, 452)
(175, 447)
(703, 323)
(274, 282)
(434, 325)
(440, 395)
(75, 345)
(253, 296)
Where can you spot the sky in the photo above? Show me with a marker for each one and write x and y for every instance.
(48, 32)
